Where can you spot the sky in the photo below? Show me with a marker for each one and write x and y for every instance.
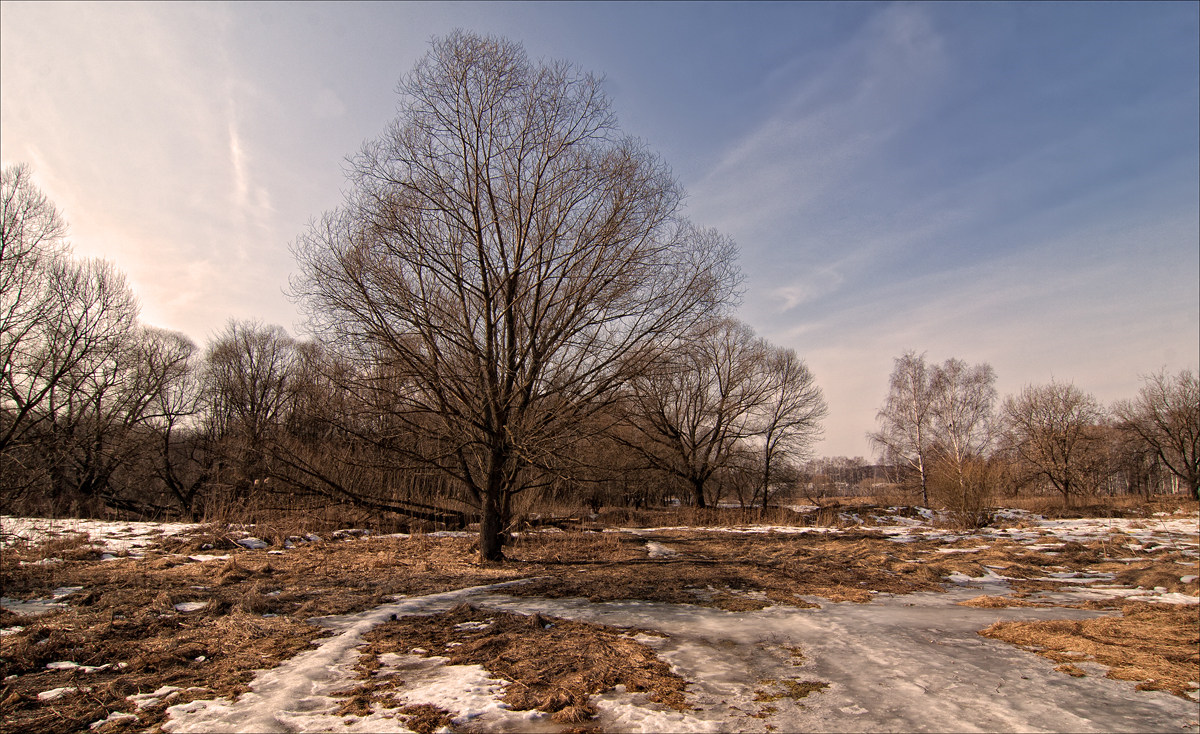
(1016, 184)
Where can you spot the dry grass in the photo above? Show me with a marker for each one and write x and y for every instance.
(1125, 506)
(257, 604)
(1157, 645)
(996, 602)
(792, 688)
(732, 571)
(155, 648)
(552, 665)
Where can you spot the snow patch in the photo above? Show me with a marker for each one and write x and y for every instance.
(658, 550)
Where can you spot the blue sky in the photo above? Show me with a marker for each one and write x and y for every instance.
(1010, 183)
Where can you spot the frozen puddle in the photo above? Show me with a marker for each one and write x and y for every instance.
(901, 663)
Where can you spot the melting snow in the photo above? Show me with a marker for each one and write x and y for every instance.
(658, 550)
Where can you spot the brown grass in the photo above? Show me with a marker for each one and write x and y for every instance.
(552, 665)
(792, 688)
(732, 571)
(257, 604)
(1154, 644)
(996, 602)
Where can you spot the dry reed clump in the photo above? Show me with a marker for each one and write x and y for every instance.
(1154, 644)
(426, 719)
(552, 665)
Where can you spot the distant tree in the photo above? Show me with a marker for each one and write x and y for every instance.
(506, 257)
(185, 457)
(905, 432)
(1165, 416)
(691, 407)
(1049, 429)
(248, 369)
(788, 420)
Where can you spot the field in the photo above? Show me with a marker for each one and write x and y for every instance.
(884, 619)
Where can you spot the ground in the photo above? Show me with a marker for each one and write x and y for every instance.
(884, 620)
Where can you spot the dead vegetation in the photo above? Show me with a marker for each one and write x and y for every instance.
(732, 571)
(249, 610)
(792, 688)
(549, 664)
(1154, 644)
(127, 614)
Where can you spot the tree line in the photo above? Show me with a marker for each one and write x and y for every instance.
(951, 443)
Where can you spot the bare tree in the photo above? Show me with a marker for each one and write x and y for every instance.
(691, 406)
(31, 237)
(102, 412)
(964, 397)
(1165, 416)
(48, 375)
(789, 417)
(248, 371)
(906, 420)
(507, 256)
(43, 298)
(1050, 430)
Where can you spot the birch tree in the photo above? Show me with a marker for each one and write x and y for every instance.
(905, 432)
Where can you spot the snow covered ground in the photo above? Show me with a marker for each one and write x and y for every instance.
(900, 663)
(110, 536)
(906, 663)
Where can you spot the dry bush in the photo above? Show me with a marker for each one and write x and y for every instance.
(1154, 644)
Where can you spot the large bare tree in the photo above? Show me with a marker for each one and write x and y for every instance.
(504, 256)
(1165, 416)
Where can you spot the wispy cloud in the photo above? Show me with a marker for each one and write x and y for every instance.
(828, 124)
(237, 161)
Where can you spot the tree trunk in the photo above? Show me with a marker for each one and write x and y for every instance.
(698, 493)
(766, 475)
(491, 528)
